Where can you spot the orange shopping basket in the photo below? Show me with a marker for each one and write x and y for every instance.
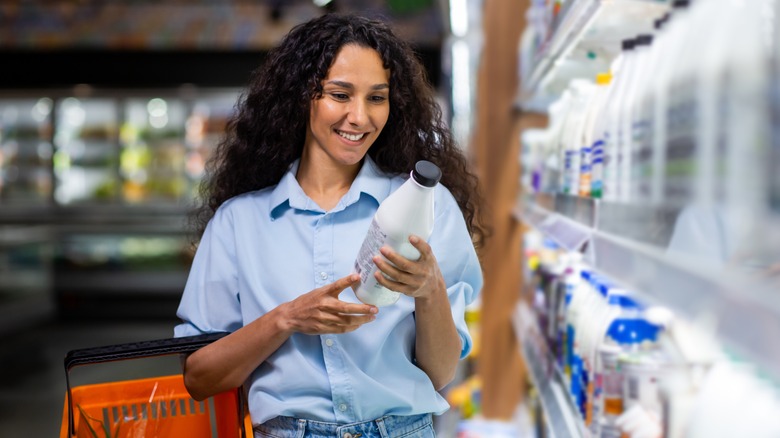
(158, 407)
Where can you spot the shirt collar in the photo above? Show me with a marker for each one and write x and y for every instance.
(288, 193)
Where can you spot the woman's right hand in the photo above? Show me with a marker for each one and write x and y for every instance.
(321, 312)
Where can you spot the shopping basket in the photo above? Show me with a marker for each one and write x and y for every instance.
(158, 407)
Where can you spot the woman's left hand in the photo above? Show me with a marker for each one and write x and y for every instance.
(415, 278)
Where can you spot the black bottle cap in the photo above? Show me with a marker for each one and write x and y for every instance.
(660, 22)
(628, 44)
(681, 3)
(644, 40)
(426, 173)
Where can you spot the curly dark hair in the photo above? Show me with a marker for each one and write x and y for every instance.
(267, 132)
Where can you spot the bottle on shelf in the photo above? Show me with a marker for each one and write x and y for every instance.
(622, 69)
(593, 148)
(572, 138)
(629, 335)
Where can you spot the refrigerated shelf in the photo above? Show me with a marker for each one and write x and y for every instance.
(583, 41)
(546, 376)
(740, 307)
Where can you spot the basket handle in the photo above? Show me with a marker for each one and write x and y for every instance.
(136, 350)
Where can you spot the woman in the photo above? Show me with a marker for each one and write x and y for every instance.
(329, 126)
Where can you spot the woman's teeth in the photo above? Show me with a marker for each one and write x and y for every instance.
(351, 137)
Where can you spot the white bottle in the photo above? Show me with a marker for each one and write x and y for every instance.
(408, 210)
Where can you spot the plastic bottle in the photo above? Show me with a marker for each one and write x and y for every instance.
(622, 70)
(593, 147)
(745, 158)
(582, 89)
(552, 173)
(627, 334)
(614, 297)
(587, 321)
(408, 210)
(604, 81)
(581, 301)
(625, 142)
(686, 159)
(642, 132)
(569, 279)
(672, 37)
(572, 279)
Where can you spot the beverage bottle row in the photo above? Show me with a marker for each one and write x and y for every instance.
(682, 116)
(633, 369)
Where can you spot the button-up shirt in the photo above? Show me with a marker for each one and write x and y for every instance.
(267, 247)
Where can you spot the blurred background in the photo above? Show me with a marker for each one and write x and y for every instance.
(108, 113)
(628, 153)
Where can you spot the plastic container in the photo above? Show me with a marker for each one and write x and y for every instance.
(591, 148)
(622, 70)
(625, 143)
(628, 334)
(573, 141)
(603, 80)
(408, 210)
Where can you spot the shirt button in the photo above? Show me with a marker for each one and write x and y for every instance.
(329, 343)
(324, 275)
(342, 407)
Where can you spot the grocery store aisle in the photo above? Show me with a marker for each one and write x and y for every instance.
(32, 378)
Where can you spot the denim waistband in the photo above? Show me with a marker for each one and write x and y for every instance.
(389, 426)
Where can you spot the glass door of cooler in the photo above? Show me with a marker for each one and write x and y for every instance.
(25, 151)
(86, 151)
(204, 130)
(165, 143)
(152, 157)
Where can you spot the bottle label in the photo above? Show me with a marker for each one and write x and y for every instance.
(370, 291)
(364, 264)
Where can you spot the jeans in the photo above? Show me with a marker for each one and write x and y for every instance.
(390, 426)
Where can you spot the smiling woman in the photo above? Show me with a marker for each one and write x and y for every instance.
(344, 123)
(330, 125)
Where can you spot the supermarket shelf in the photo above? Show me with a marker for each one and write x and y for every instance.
(102, 219)
(741, 308)
(20, 235)
(571, 231)
(562, 418)
(584, 42)
(117, 283)
(573, 22)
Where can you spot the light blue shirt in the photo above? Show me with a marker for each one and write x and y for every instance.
(268, 247)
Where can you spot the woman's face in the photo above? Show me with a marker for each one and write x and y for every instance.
(353, 109)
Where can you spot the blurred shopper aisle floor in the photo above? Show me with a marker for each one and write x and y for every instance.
(32, 377)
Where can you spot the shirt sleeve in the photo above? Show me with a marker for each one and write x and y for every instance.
(210, 302)
(458, 261)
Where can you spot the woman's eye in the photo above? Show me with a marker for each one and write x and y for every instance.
(378, 99)
(339, 96)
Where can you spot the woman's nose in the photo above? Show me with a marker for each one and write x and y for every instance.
(357, 113)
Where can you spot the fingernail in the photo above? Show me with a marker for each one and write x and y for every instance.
(413, 238)
(374, 310)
